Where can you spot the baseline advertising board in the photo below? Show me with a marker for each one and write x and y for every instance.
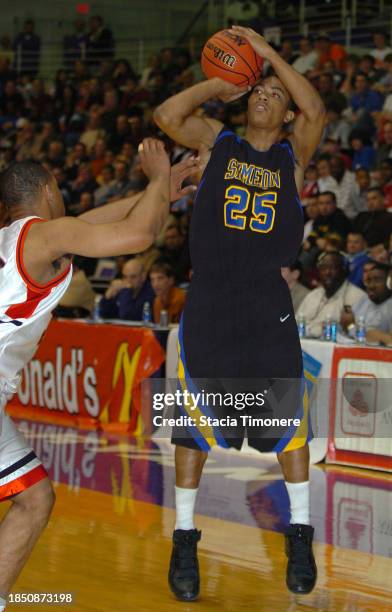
(361, 408)
(88, 375)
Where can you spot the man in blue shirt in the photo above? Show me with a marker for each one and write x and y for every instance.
(364, 98)
(356, 257)
(125, 297)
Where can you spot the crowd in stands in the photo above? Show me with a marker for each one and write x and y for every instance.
(86, 125)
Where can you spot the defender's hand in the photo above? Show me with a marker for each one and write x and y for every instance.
(227, 92)
(257, 41)
(179, 172)
(154, 159)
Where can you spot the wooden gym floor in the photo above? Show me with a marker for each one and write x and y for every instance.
(108, 541)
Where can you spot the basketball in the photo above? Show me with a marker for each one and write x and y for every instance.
(231, 58)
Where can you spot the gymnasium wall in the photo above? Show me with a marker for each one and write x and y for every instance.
(140, 26)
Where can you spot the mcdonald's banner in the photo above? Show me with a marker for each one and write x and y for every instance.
(88, 375)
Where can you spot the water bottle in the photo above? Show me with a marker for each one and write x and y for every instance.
(361, 330)
(164, 318)
(95, 313)
(302, 326)
(146, 313)
(327, 329)
(334, 330)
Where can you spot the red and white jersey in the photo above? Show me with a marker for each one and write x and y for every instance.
(25, 306)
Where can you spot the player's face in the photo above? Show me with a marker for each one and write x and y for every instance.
(268, 104)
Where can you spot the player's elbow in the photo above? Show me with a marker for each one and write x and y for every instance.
(161, 117)
(165, 118)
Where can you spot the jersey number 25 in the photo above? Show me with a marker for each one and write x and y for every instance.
(237, 200)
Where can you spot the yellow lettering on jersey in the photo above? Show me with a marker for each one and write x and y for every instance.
(251, 175)
(231, 169)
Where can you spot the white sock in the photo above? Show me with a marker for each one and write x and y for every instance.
(185, 507)
(299, 502)
(3, 603)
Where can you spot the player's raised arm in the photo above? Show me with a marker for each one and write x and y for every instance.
(176, 115)
(46, 242)
(309, 125)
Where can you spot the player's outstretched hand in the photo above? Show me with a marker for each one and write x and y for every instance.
(227, 92)
(257, 41)
(179, 172)
(154, 159)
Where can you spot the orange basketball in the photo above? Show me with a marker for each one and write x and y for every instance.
(231, 58)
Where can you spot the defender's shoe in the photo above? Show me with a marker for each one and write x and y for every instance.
(184, 579)
(301, 567)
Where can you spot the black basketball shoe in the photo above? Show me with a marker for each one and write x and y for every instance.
(301, 567)
(184, 579)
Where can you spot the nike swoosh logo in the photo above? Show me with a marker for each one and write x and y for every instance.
(283, 319)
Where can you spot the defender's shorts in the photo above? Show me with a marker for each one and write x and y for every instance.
(19, 466)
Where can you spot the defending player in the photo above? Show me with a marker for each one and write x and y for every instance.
(35, 271)
(238, 321)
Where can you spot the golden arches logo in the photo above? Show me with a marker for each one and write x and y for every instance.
(123, 376)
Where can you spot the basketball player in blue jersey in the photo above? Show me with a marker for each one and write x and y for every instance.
(238, 323)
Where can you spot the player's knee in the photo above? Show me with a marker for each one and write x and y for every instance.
(38, 502)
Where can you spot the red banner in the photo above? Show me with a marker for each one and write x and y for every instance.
(88, 375)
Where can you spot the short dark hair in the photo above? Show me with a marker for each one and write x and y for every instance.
(22, 182)
(354, 232)
(163, 267)
(376, 190)
(381, 266)
(331, 194)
